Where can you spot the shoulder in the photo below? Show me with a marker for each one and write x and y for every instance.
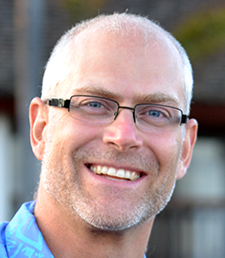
(3, 253)
(8, 229)
(21, 237)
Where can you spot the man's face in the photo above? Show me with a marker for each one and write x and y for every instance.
(131, 73)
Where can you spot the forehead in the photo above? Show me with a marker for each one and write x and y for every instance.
(128, 65)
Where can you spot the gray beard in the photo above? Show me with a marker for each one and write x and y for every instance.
(61, 179)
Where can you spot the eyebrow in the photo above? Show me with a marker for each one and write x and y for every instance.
(160, 97)
(152, 98)
(97, 91)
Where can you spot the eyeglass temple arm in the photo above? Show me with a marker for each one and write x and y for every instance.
(57, 102)
(184, 119)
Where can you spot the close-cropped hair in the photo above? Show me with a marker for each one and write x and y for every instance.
(59, 64)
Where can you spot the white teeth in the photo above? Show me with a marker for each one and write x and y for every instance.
(111, 172)
(120, 173)
(104, 170)
(133, 176)
(97, 170)
(127, 174)
(94, 169)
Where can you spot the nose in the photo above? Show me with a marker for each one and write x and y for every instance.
(122, 133)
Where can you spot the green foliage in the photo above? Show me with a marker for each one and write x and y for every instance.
(203, 34)
(82, 9)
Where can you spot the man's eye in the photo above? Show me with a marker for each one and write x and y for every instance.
(154, 113)
(95, 105)
(157, 113)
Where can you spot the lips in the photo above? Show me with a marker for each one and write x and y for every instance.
(115, 173)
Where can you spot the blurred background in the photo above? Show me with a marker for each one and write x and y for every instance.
(193, 224)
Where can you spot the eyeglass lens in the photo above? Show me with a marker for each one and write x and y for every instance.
(101, 110)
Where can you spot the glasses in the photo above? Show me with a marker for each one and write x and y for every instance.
(103, 111)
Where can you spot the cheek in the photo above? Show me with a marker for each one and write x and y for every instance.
(167, 149)
(63, 141)
(167, 152)
(77, 134)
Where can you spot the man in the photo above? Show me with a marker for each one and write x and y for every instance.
(113, 134)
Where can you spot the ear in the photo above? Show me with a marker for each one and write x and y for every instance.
(38, 116)
(188, 145)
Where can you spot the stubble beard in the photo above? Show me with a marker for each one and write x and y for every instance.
(62, 180)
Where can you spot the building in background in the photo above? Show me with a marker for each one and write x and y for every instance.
(193, 224)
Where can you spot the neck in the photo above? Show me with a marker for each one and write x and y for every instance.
(70, 236)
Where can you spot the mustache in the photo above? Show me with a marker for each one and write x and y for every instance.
(145, 162)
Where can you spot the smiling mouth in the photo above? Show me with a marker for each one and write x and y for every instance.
(115, 173)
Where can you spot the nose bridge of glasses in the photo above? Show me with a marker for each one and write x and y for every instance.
(124, 107)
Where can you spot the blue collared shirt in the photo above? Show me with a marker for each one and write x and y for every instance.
(21, 237)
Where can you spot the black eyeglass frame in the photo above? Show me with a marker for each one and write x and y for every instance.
(65, 103)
